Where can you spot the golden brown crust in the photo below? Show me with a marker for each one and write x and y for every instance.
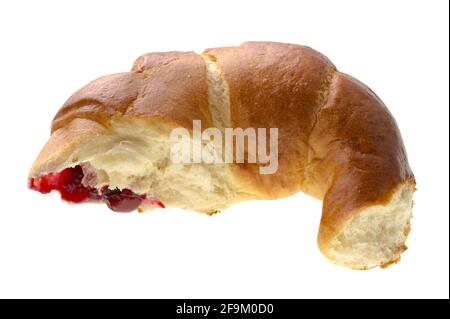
(63, 142)
(170, 85)
(275, 85)
(359, 155)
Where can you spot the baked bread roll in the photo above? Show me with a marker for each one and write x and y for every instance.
(111, 142)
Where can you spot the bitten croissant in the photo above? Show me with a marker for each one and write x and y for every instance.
(112, 141)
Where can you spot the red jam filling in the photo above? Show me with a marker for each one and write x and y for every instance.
(69, 183)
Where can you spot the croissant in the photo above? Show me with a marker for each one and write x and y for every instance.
(335, 140)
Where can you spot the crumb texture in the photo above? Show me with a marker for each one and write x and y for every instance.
(135, 155)
(376, 235)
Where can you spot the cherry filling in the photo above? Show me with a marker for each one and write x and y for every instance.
(69, 183)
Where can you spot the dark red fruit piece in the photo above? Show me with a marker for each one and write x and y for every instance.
(71, 187)
(122, 200)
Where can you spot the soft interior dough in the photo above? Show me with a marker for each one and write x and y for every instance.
(375, 235)
(135, 155)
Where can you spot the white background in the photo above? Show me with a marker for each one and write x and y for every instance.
(255, 249)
